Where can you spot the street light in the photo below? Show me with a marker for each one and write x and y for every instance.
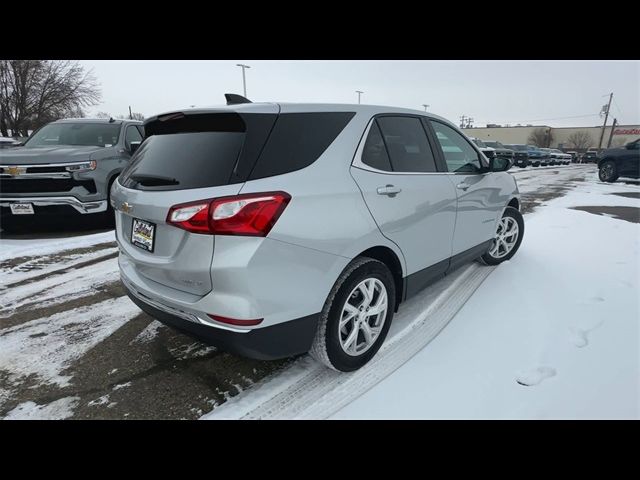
(244, 81)
(425, 106)
(359, 92)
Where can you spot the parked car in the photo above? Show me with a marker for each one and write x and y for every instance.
(501, 150)
(271, 230)
(488, 151)
(590, 156)
(565, 157)
(66, 167)
(619, 162)
(537, 157)
(558, 157)
(575, 156)
(520, 155)
(6, 142)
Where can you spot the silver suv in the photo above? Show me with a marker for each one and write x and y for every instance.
(272, 230)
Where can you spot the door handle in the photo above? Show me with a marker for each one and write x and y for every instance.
(390, 190)
(463, 186)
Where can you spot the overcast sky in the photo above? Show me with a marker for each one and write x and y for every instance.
(536, 92)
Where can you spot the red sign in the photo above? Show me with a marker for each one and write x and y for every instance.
(626, 131)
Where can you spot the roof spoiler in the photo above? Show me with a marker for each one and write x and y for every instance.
(233, 99)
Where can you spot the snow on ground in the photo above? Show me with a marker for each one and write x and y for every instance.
(553, 333)
(45, 347)
(60, 288)
(12, 248)
(58, 410)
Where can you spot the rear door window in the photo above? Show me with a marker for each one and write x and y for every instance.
(407, 144)
(374, 153)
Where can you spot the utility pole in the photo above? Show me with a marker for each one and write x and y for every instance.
(244, 80)
(359, 92)
(130, 115)
(613, 127)
(469, 122)
(462, 121)
(606, 116)
(425, 106)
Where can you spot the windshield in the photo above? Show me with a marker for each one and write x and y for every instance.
(494, 144)
(479, 143)
(86, 134)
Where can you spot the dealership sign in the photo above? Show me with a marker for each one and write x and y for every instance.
(626, 131)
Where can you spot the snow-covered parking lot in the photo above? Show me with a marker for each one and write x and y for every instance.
(553, 333)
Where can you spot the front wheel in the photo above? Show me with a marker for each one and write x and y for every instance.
(608, 172)
(356, 316)
(508, 238)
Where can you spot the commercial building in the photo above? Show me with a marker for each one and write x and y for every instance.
(622, 134)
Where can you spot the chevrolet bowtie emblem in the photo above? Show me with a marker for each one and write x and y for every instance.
(16, 171)
(126, 208)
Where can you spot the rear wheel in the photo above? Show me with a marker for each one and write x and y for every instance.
(608, 172)
(508, 238)
(356, 316)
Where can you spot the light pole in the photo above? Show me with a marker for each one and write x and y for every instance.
(359, 92)
(244, 80)
(425, 106)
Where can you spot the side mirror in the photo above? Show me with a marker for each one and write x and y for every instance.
(133, 146)
(499, 164)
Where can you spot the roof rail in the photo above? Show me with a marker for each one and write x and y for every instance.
(233, 99)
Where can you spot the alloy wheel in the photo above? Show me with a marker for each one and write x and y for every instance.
(506, 237)
(363, 316)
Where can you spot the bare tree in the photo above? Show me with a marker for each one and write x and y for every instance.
(541, 137)
(36, 92)
(580, 140)
(103, 115)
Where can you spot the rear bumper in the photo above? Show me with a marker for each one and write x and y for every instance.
(82, 207)
(269, 343)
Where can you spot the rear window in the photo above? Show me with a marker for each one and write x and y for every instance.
(184, 160)
(208, 150)
(297, 140)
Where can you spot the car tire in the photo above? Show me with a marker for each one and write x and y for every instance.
(329, 343)
(608, 172)
(509, 244)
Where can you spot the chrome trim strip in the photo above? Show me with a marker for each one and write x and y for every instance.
(82, 207)
(47, 165)
(172, 310)
(36, 175)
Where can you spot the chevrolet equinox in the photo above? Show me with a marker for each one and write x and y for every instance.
(270, 230)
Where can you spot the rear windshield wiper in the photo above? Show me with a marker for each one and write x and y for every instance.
(153, 180)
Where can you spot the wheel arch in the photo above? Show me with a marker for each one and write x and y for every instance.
(387, 256)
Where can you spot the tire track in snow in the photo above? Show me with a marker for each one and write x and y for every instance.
(75, 283)
(44, 348)
(313, 391)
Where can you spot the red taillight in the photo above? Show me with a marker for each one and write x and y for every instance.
(234, 321)
(252, 214)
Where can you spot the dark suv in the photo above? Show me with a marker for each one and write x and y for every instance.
(66, 167)
(520, 155)
(619, 162)
(501, 150)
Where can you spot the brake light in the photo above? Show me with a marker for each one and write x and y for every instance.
(252, 214)
(234, 321)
